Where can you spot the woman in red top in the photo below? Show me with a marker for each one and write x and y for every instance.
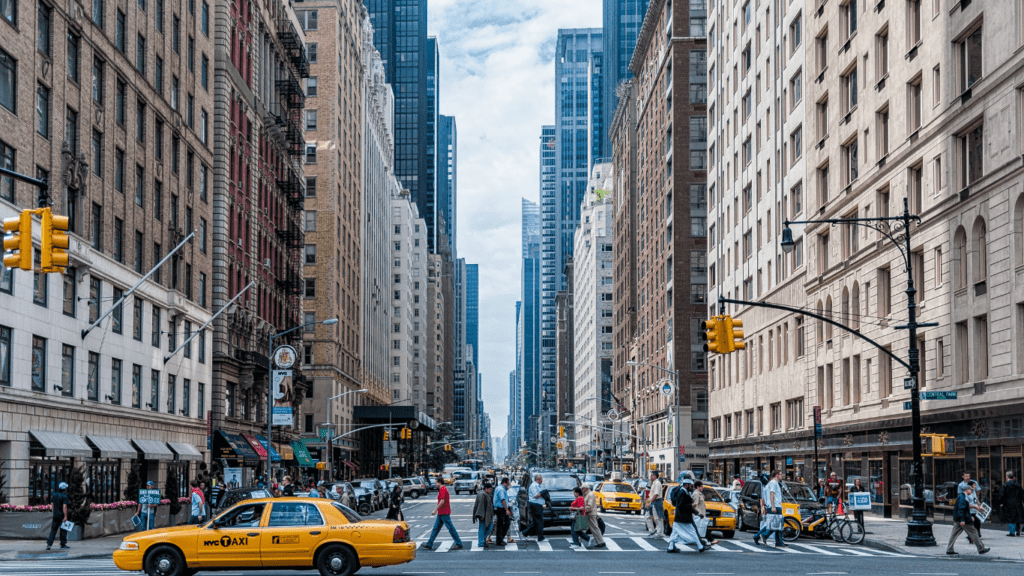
(580, 508)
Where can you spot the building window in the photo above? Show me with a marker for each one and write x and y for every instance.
(882, 132)
(310, 287)
(41, 287)
(9, 11)
(849, 84)
(850, 159)
(698, 210)
(914, 104)
(311, 87)
(154, 335)
(310, 253)
(970, 145)
(848, 18)
(913, 22)
(117, 315)
(44, 24)
(43, 111)
(119, 33)
(698, 77)
(6, 161)
(140, 54)
(172, 394)
(796, 89)
(205, 21)
(137, 314)
(115, 381)
(120, 102)
(969, 56)
(136, 386)
(776, 415)
(310, 153)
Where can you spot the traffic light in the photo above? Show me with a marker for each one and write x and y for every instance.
(447, 447)
(561, 431)
(712, 334)
(938, 444)
(481, 445)
(53, 257)
(321, 465)
(734, 337)
(405, 434)
(387, 436)
(19, 242)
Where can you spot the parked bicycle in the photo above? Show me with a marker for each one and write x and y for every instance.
(839, 528)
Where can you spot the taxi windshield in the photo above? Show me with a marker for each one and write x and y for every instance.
(620, 488)
(349, 513)
(560, 483)
(798, 492)
(712, 495)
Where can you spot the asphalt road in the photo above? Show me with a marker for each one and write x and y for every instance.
(629, 552)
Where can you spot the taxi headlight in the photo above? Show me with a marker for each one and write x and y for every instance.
(728, 514)
(129, 545)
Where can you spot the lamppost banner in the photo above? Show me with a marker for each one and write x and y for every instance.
(283, 396)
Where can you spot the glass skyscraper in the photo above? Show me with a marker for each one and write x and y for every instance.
(410, 64)
(622, 22)
(447, 169)
(528, 323)
(473, 310)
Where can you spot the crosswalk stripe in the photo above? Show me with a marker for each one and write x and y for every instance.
(544, 546)
(887, 553)
(854, 551)
(445, 545)
(750, 547)
(473, 547)
(612, 545)
(513, 547)
(643, 544)
(816, 549)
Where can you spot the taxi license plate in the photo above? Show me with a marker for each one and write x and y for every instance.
(624, 505)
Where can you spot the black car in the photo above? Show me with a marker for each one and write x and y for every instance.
(236, 495)
(792, 492)
(359, 499)
(559, 487)
(376, 487)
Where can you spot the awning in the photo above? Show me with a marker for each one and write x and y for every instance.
(233, 447)
(302, 455)
(61, 444)
(112, 447)
(286, 451)
(349, 464)
(261, 452)
(274, 455)
(153, 450)
(185, 451)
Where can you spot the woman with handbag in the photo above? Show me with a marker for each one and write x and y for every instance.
(580, 523)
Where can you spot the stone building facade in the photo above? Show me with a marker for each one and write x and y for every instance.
(112, 105)
(916, 103)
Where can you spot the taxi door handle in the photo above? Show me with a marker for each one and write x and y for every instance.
(315, 533)
(253, 534)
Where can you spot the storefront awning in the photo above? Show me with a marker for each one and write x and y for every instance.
(286, 451)
(261, 452)
(302, 455)
(153, 450)
(61, 444)
(274, 455)
(112, 447)
(185, 451)
(349, 464)
(233, 447)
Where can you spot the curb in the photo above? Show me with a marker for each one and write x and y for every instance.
(879, 545)
(886, 547)
(40, 556)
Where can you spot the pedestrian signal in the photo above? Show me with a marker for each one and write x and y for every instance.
(18, 241)
(386, 436)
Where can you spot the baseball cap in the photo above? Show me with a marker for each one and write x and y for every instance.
(687, 481)
(63, 486)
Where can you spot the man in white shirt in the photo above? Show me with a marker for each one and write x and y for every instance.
(656, 506)
(537, 507)
(773, 502)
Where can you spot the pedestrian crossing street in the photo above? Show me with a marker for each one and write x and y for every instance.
(641, 544)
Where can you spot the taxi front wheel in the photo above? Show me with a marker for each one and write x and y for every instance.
(336, 561)
(165, 561)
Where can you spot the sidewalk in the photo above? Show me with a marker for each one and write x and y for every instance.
(891, 534)
(36, 549)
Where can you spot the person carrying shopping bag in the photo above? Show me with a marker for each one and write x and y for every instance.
(580, 523)
(590, 500)
(483, 512)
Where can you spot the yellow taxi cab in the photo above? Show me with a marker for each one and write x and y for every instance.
(617, 496)
(287, 533)
(721, 515)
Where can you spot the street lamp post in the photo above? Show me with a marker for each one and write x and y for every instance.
(897, 230)
(330, 401)
(675, 411)
(270, 385)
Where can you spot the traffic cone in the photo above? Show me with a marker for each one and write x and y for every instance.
(841, 509)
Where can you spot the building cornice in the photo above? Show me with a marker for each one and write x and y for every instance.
(646, 33)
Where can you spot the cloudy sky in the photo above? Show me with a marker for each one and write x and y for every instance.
(497, 79)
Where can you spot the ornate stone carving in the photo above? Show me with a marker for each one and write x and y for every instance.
(979, 428)
(848, 440)
(883, 437)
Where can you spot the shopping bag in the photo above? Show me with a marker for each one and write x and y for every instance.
(702, 526)
(580, 524)
(67, 525)
(136, 521)
(775, 522)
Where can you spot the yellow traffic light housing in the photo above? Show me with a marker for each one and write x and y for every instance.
(734, 337)
(387, 436)
(321, 465)
(713, 334)
(18, 241)
(53, 257)
(938, 444)
(447, 447)
(561, 431)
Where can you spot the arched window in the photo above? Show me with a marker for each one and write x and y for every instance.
(960, 257)
(1018, 231)
(820, 332)
(845, 307)
(855, 306)
(828, 314)
(979, 249)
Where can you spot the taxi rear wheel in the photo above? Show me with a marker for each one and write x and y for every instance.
(165, 561)
(337, 561)
(365, 509)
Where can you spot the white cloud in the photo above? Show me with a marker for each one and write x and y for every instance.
(497, 79)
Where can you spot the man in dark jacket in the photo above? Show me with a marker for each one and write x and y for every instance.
(962, 522)
(483, 512)
(683, 529)
(59, 501)
(1012, 499)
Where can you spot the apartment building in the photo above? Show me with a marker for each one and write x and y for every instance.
(907, 110)
(409, 344)
(757, 179)
(670, 95)
(87, 378)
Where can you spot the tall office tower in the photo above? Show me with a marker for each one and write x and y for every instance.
(528, 360)
(564, 378)
(107, 127)
(670, 245)
(599, 145)
(473, 309)
(757, 180)
(514, 401)
(258, 184)
(592, 295)
(459, 338)
(410, 64)
(408, 303)
(621, 26)
(447, 172)
(574, 72)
